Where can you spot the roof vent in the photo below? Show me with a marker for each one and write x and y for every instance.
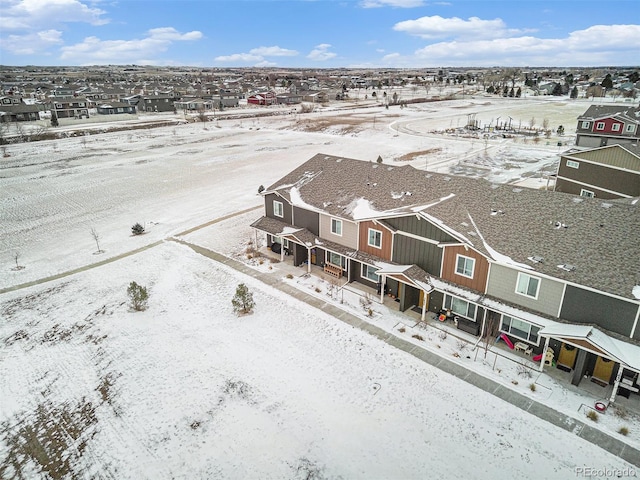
(577, 200)
(517, 190)
(566, 267)
(473, 234)
(338, 160)
(446, 179)
(607, 205)
(496, 212)
(428, 175)
(536, 259)
(559, 225)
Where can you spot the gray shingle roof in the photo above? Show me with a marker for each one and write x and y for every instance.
(601, 239)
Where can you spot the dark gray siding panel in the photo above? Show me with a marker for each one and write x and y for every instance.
(356, 271)
(286, 207)
(419, 227)
(307, 219)
(583, 306)
(407, 251)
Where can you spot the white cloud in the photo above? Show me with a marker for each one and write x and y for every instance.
(596, 45)
(274, 51)
(92, 50)
(31, 43)
(321, 53)
(439, 27)
(239, 57)
(34, 14)
(392, 3)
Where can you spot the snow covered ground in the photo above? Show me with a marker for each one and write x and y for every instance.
(186, 389)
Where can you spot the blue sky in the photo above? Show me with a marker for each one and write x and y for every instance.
(320, 33)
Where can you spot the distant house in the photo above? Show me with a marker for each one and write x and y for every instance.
(263, 98)
(194, 105)
(229, 97)
(161, 102)
(288, 98)
(112, 108)
(604, 125)
(70, 107)
(14, 109)
(605, 172)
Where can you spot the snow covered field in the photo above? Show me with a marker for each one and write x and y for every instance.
(186, 389)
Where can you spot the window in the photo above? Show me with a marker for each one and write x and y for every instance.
(586, 124)
(600, 126)
(631, 128)
(369, 273)
(460, 307)
(336, 259)
(573, 164)
(375, 238)
(520, 329)
(81, 104)
(527, 285)
(336, 226)
(464, 266)
(58, 105)
(615, 127)
(278, 209)
(587, 193)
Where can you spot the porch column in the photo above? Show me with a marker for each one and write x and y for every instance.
(308, 259)
(424, 305)
(544, 353)
(616, 384)
(282, 251)
(382, 282)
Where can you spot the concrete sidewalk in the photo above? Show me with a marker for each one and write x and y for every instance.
(581, 429)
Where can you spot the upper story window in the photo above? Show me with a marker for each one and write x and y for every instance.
(81, 104)
(527, 285)
(278, 209)
(58, 105)
(600, 126)
(336, 226)
(375, 238)
(586, 124)
(631, 127)
(615, 127)
(464, 266)
(573, 164)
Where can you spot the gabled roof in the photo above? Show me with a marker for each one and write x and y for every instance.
(625, 156)
(506, 224)
(595, 112)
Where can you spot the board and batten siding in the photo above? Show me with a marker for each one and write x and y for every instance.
(480, 269)
(409, 251)
(349, 237)
(286, 208)
(502, 284)
(586, 307)
(306, 219)
(385, 251)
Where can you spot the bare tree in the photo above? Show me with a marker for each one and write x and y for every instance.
(96, 237)
(16, 256)
(489, 332)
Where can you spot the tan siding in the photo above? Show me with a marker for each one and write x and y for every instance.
(349, 237)
(385, 251)
(614, 156)
(480, 270)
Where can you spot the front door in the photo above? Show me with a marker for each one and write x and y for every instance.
(421, 300)
(567, 356)
(603, 369)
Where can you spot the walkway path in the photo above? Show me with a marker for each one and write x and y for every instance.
(581, 429)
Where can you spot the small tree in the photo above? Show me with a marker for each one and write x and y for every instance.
(261, 189)
(379, 160)
(16, 256)
(243, 300)
(96, 237)
(574, 92)
(54, 120)
(138, 296)
(137, 229)
(560, 131)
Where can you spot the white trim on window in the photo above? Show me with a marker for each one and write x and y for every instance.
(374, 238)
(278, 209)
(600, 126)
(465, 266)
(520, 329)
(573, 164)
(587, 193)
(368, 272)
(460, 306)
(586, 124)
(615, 127)
(336, 226)
(631, 128)
(528, 285)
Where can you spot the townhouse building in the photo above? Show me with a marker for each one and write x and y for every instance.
(556, 273)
